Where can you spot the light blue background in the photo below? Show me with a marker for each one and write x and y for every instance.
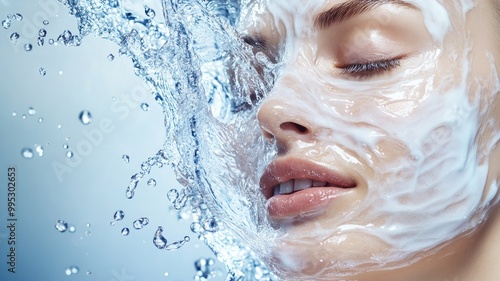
(93, 186)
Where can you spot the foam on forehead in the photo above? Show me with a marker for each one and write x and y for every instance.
(297, 16)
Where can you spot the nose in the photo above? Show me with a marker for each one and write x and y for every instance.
(283, 118)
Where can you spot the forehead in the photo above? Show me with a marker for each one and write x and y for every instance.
(301, 16)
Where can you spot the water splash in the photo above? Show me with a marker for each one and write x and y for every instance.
(209, 113)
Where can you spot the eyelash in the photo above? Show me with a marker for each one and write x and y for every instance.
(367, 70)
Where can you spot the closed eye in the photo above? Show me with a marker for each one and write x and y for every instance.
(370, 69)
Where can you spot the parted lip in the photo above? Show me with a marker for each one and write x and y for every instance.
(289, 168)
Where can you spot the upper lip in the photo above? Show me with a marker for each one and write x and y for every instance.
(287, 168)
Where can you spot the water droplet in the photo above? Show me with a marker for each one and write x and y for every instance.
(40, 41)
(145, 106)
(42, 71)
(51, 41)
(27, 153)
(31, 111)
(85, 117)
(14, 37)
(125, 231)
(74, 269)
(210, 225)
(6, 23)
(61, 226)
(126, 158)
(172, 195)
(69, 154)
(65, 146)
(42, 32)
(28, 47)
(119, 215)
(151, 182)
(159, 241)
(149, 12)
(45, 22)
(18, 17)
(140, 223)
(39, 150)
(111, 57)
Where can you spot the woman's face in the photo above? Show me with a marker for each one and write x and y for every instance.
(386, 119)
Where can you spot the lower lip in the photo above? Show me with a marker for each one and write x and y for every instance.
(306, 202)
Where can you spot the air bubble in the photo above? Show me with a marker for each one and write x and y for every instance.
(51, 41)
(42, 71)
(145, 106)
(125, 231)
(72, 229)
(88, 233)
(14, 37)
(69, 154)
(40, 120)
(24, 116)
(45, 22)
(126, 158)
(61, 226)
(88, 225)
(68, 271)
(14, 114)
(151, 182)
(28, 47)
(119, 215)
(18, 17)
(85, 117)
(111, 57)
(27, 153)
(89, 272)
(40, 41)
(140, 223)
(65, 146)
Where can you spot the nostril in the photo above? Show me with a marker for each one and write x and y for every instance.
(290, 126)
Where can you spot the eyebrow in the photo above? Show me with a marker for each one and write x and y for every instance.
(344, 11)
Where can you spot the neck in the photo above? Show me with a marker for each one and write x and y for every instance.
(482, 263)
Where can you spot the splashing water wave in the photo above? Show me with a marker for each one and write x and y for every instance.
(217, 154)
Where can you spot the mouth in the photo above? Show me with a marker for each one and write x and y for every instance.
(297, 187)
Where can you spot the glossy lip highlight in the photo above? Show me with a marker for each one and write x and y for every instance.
(284, 169)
